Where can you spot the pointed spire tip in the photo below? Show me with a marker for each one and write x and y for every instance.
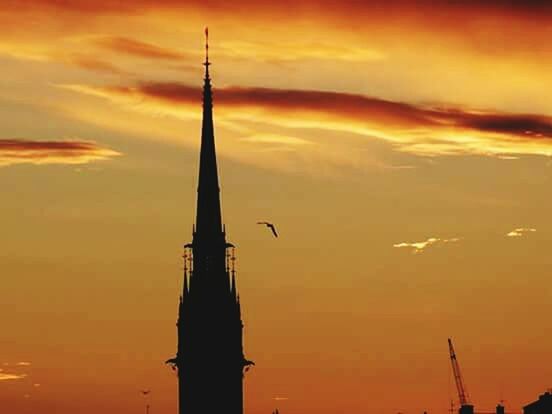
(206, 63)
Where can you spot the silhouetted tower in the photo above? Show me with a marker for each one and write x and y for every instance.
(209, 358)
(465, 406)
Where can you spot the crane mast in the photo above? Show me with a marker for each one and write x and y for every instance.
(462, 393)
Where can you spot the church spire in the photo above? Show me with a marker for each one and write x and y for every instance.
(208, 219)
(210, 329)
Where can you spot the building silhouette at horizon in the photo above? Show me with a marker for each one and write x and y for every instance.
(209, 360)
(541, 406)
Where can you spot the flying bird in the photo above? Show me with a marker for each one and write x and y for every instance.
(270, 226)
(145, 392)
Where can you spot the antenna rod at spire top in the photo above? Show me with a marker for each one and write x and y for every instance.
(207, 63)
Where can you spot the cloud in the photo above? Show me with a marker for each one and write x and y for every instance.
(280, 398)
(78, 59)
(137, 48)
(473, 24)
(520, 232)
(286, 52)
(531, 125)
(348, 7)
(23, 151)
(418, 247)
(4, 376)
(276, 139)
(16, 364)
(414, 128)
(93, 64)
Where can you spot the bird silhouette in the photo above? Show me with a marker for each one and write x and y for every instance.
(145, 392)
(270, 226)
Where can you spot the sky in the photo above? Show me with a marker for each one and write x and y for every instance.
(401, 148)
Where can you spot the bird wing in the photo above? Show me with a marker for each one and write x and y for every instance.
(273, 230)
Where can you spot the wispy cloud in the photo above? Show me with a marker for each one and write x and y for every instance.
(4, 376)
(23, 364)
(280, 398)
(81, 60)
(281, 52)
(137, 48)
(276, 139)
(418, 247)
(16, 364)
(24, 151)
(520, 232)
(94, 64)
(418, 129)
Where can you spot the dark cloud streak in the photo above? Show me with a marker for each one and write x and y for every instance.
(17, 151)
(532, 125)
(534, 7)
(357, 107)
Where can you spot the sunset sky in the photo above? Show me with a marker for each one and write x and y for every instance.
(403, 150)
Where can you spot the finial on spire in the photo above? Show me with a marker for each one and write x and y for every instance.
(206, 63)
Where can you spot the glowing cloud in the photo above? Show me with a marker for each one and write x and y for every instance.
(22, 151)
(418, 247)
(418, 129)
(16, 364)
(278, 52)
(4, 376)
(276, 139)
(520, 232)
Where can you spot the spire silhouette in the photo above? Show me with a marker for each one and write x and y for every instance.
(209, 360)
(209, 218)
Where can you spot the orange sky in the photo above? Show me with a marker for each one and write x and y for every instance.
(402, 149)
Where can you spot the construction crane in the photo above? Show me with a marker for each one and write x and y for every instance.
(465, 406)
